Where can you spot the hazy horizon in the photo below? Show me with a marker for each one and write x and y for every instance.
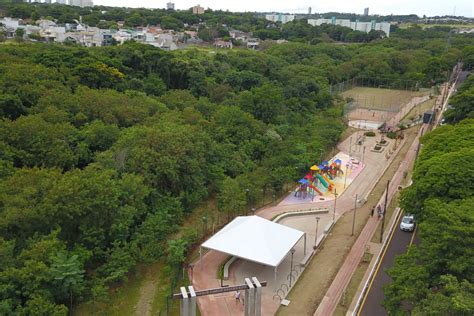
(381, 7)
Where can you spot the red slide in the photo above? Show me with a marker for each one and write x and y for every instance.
(315, 189)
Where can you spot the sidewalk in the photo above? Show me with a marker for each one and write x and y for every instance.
(343, 277)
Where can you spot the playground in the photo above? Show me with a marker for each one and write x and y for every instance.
(324, 181)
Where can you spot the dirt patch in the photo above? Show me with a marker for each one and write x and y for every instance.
(317, 277)
(147, 294)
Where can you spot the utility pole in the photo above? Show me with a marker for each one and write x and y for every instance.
(354, 216)
(384, 212)
(316, 233)
(350, 145)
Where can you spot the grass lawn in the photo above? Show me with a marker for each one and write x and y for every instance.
(351, 290)
(418, 110)
(457, 26)
(381, 99)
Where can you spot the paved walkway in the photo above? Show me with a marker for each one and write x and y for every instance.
(362, 185)
(331, 299)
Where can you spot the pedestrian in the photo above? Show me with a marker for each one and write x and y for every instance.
(379, 211)
(237, 297)
(372, 211)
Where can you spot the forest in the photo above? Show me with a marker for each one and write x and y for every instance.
(104, 152)
(437, 277)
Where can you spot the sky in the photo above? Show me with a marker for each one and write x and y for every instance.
(382, 7)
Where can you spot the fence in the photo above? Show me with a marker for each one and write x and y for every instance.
(386, 83)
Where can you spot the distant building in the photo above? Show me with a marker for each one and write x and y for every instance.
(81, 3)
(278, 17)
(170, 6)
(366, 12)
(61, 1)
(309, 10)
(356, 26)
(198, 9)
(223, 44)
(10, 22)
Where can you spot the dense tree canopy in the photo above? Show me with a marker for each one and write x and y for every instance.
(437, 277)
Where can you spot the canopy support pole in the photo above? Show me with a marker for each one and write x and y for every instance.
(275, 280)
(200, 256)
(304, 249)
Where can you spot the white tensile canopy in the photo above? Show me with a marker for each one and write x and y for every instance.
(255, 239)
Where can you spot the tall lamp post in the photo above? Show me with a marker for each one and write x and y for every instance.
(384, 212)
(354, 216)
(334, 213)
(345, 175)
(350, 145)
(316, 234)
(291, 265)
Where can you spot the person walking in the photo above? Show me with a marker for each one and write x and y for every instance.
(237, 297)
(379, 211)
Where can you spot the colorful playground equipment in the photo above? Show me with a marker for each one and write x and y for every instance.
(319, 179)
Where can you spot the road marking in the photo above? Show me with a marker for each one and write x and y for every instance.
(413, 236)
(378, 267)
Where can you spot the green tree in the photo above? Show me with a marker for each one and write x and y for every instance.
(68, 273)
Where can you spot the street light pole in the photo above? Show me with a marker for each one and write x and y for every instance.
(363, 154)
(345, 175)
(384, 212)
(316, 233)
(350, 145)
(354, 216)
(291, 265)
(334, 213)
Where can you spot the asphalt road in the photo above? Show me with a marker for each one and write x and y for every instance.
(462, 77)
(398, 245)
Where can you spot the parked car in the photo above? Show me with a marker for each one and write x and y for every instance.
(408, 223)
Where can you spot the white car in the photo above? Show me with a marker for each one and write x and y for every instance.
(408, 223)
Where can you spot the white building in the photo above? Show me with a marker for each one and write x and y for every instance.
(170, 6)
(278, 17)
(81, 3)
(356, 26)
(10, 23)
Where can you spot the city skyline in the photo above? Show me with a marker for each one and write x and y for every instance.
(384, 7)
